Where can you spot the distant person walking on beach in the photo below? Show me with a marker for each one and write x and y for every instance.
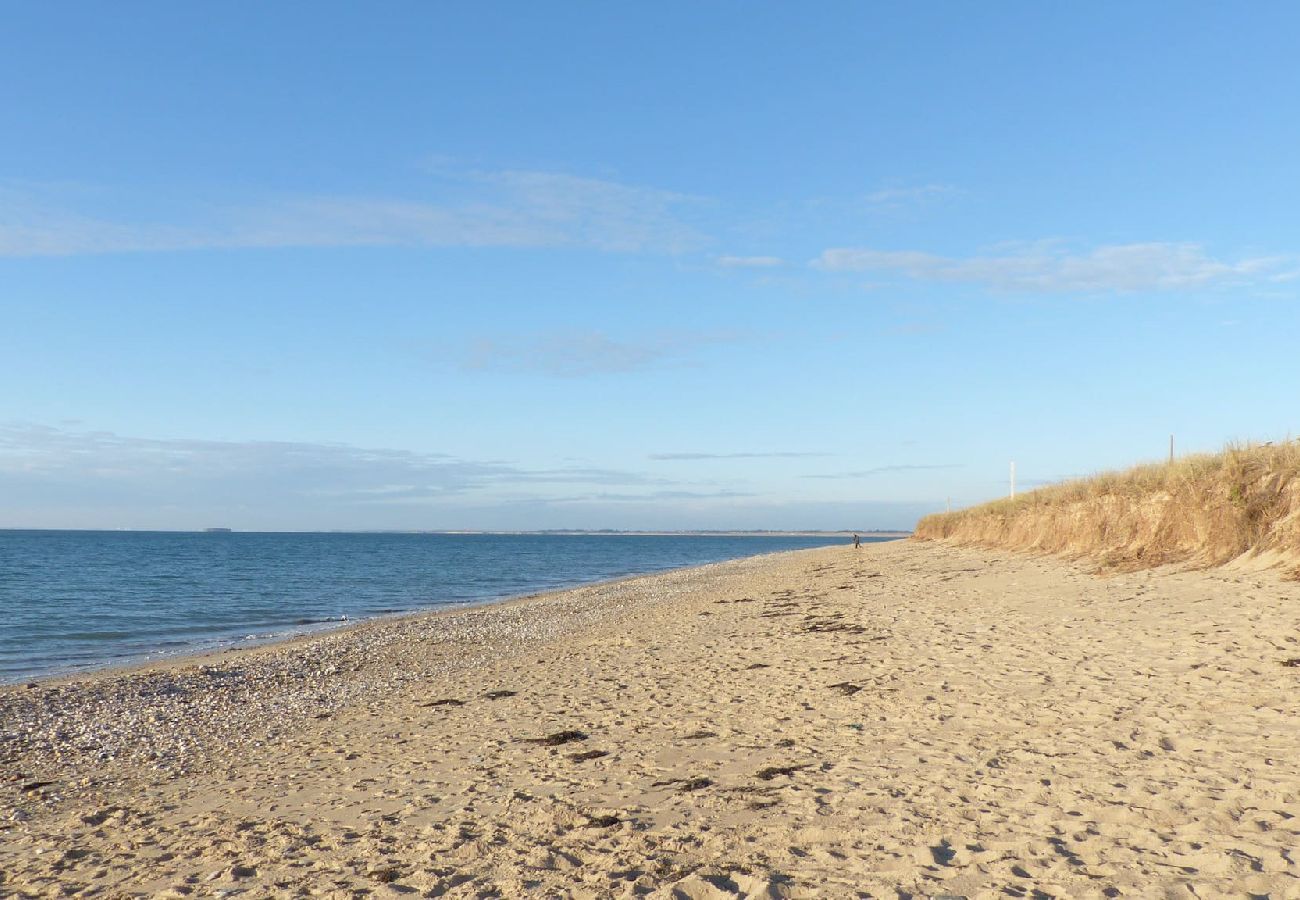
(856, 543)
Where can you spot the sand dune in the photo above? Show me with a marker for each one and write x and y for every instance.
(905, 720)
(1238, 507)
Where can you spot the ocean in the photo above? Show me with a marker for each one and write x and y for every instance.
(79, 600)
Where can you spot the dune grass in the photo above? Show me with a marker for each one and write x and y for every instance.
(1206, 509)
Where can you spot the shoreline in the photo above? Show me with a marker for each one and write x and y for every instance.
(219, 647)
(908, 718)
(459, 621)
(291, 641)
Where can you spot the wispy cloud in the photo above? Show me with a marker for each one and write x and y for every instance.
(582, 353)
(512, 208)
(899, 196)
(1051, 267)
(750, 262)
(41, 458)
(56, 477)
(651, 496)
(761, 455)
(885, 470)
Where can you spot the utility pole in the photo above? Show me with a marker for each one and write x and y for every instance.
(1013, 479)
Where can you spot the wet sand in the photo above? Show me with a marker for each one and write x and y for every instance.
(904, 720)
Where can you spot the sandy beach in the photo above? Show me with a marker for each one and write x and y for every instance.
(906, 720)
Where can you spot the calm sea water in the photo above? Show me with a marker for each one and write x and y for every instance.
(73, 600)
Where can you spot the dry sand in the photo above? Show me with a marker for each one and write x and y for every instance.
(907, 720)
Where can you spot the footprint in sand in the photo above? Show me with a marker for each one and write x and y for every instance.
(771, 772)
(558, 738)
(685, 784)
(588, 754)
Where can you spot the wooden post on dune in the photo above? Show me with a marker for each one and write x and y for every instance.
(1171, 448)
(1013, 479)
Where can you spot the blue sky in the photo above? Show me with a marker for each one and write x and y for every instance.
(597, 265)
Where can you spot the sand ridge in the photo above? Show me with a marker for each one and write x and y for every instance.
(904, 720)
